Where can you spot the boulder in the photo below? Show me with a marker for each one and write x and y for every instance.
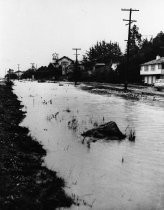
(108, 131)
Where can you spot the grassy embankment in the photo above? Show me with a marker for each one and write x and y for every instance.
(24, 183)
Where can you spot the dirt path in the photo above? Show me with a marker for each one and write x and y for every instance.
(25, 184)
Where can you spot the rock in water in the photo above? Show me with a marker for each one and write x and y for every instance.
(108, 130)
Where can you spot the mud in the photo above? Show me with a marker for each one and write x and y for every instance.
(25, 182)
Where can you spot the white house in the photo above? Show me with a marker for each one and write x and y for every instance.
(152, 70)
(19, 73)
(64, 62)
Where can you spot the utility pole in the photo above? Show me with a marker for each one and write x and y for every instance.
(130, 21)
(32, 66)
(18, 66)
(76, 64)
(18, 71)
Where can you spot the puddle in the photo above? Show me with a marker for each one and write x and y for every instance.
(108, 175)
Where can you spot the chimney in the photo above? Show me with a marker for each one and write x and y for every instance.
(157, 57)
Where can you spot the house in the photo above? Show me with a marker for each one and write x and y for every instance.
(19, 73)
(65, 62)
(152, 70)
(112, 66)
(98, 66)
(62, 66)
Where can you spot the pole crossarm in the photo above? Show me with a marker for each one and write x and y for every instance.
(76, 49)
(130, 10)
(129, 20)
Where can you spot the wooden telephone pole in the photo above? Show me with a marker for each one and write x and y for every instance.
(18, 71)
(130, 21)
(76, 64)
(32, 66)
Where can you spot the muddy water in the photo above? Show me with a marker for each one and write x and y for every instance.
(96, 175)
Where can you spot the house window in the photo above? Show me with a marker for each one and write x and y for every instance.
(152, 67)
(146, 68)
(159, 66)
(162, 65)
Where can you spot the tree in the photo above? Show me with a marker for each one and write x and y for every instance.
(102, 52)
(141, 51)
(135, 41)
(11, 76)
(28, 74)
(158, 44)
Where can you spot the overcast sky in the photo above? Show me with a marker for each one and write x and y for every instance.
(32, 30)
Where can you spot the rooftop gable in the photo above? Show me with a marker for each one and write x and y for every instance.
(155, 61)
(65, 58)
(19, 71)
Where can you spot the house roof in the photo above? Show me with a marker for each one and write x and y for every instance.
(19, 71)
(66, 58)
(155, 61)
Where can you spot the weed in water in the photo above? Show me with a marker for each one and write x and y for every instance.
(67, 110)
(73, 124)
(132, 135)
(52, 116)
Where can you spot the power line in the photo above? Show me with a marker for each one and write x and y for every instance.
(130, 21)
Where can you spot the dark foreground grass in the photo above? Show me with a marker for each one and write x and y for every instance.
(24, 183)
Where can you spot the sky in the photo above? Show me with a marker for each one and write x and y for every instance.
(32, 30)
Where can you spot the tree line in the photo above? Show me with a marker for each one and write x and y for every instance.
(141, 50)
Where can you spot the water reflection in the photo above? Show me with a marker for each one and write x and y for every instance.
(109, 175)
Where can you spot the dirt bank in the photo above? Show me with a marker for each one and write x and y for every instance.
(25, 184)
(133, 92)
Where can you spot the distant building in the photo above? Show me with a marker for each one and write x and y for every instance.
(98, 66)
(65, 62)
(152, 70)
(19, 73)
(111, 66)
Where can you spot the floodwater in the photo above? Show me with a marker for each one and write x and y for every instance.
(95, 175)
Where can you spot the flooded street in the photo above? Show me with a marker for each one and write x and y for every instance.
(56, 117)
